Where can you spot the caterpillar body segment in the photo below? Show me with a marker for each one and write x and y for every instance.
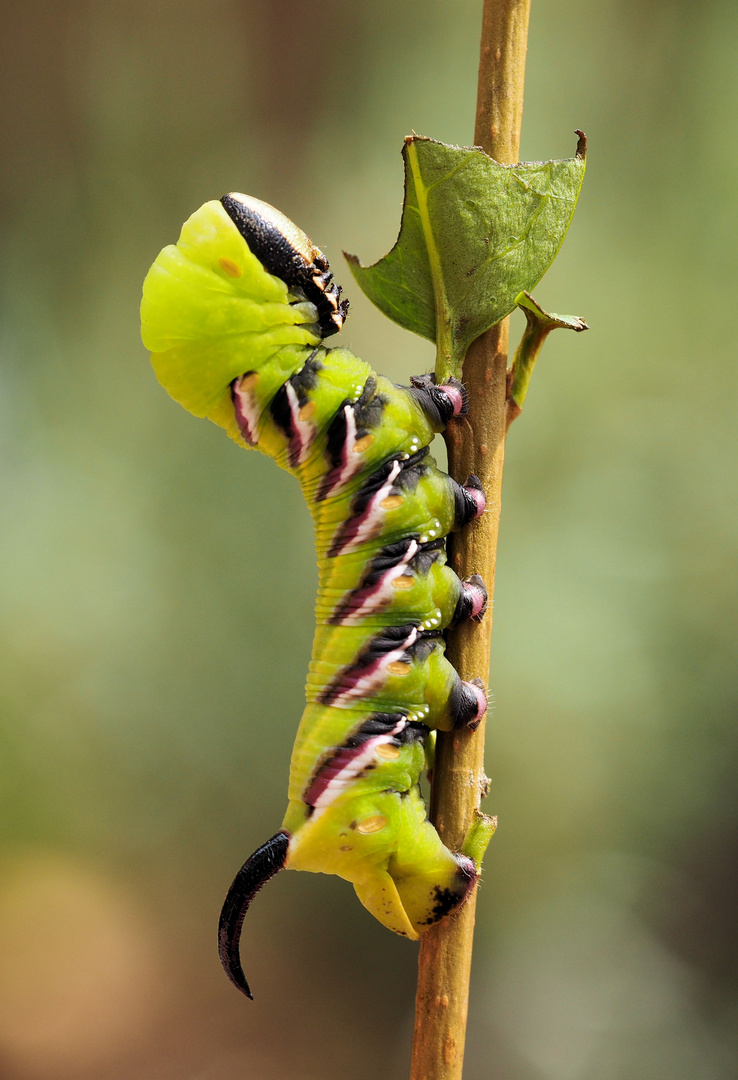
(235, 315)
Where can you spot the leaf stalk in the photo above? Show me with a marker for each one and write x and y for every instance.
(539, 324)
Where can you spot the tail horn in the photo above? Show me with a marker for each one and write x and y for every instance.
(266, 861)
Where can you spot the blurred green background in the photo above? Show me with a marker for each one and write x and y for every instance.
(157, 583)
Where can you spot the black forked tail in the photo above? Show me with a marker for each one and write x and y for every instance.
(266, 861)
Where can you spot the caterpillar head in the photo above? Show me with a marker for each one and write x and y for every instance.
(230, 298)
(285, 251)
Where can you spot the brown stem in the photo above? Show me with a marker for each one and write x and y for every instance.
(476, 444)
(502, 78)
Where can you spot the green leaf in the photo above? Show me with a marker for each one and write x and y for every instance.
(474, 235)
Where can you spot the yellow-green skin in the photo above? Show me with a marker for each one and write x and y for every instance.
(211, 313)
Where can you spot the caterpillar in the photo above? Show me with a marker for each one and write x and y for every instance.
(235, 316)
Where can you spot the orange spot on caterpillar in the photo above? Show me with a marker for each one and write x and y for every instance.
(363, 444)
(307, 410)
(372, 824)
(404, 581)
(231, 268)
(391, 502)
(398, 667)
(388, 752)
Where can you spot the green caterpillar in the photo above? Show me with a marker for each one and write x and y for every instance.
(234, 316)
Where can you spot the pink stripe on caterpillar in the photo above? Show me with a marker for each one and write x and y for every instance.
(350, 463)
(303, 432)
(338, 773)
(363, 602)
(364, 681)
(357, 530)
(245, 403)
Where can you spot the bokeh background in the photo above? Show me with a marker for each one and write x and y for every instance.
(157, 583)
